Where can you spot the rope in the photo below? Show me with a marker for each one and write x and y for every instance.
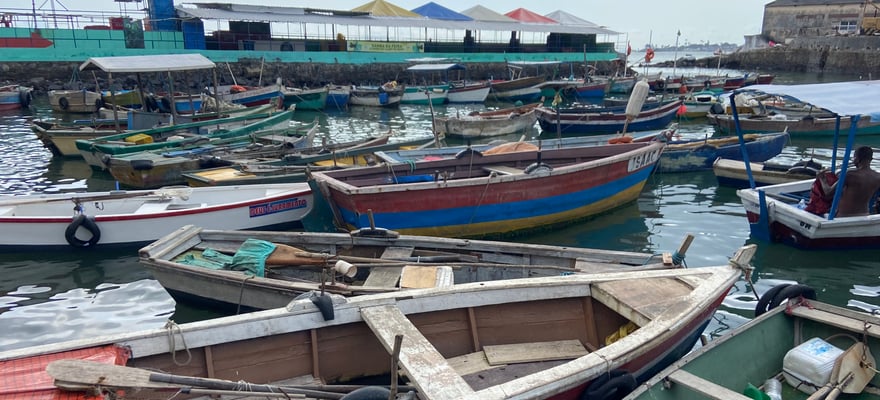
(677, 258)
(169, 327)
(483, 194)
(241, 293)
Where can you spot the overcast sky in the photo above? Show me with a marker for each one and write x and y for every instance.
(699, 21)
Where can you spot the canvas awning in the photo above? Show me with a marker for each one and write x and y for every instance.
(435, 67)
(150, 63)
(841, 98)
(436, 11)
(385, 9)
(523, 15)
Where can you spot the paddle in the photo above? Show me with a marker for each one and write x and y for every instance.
(83, 375)
(857, 367)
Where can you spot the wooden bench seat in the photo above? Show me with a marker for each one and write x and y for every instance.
(502, 170)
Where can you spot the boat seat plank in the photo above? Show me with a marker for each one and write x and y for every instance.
(537, 351)
(833, 319)
(388, 276)
(152, 207)
(428, 369)
(470, 363)
(704, 387)
(396, 252)
(641, 301)
(502, 170)
(416, 276)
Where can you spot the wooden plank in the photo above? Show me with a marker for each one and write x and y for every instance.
(704, 387)
(416, 276)
(393, 252)
(536, 351)
(470, 363)
(383, 277)
(502, 170)
(427, 368)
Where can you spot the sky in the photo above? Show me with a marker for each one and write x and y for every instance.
(641, 21)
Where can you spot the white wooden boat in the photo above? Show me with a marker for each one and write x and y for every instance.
(387, 95)
(75, 101)
(13, 97)
(733, 172)
(186, 263)
(468, 92)
(488, 123)
(140, 216)
(531, 338)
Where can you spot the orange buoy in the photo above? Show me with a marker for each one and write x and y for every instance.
(682, 109)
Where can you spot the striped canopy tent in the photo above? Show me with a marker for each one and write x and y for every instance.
(385, 9)
(436, 11)
(523, 15)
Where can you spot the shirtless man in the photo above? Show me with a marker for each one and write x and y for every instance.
(861, 184)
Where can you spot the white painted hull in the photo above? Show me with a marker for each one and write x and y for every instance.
(421, 95)
(479, 127)
(128, 217)
(468, 94)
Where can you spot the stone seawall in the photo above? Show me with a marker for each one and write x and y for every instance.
(861, 62)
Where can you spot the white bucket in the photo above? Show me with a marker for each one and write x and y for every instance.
(808, 366)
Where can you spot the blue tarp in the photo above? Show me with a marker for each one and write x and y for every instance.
(436, 11)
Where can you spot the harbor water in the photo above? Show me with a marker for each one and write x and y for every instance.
(79, 293)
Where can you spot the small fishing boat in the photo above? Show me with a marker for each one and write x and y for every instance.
(480, 124)
(800, 347)
(699, 154)
(271, 268)
(468, 92)
(337, 97)
(549, 337)
(733, 173)
(250, 96)
(304, 98)
(75, 101)
(13, 97)
(140, 216)
(387, 95)
(491, 195)
(601, 120)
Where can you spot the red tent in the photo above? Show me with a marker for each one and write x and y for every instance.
(523, 15)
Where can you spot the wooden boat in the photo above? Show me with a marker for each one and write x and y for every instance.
(337, 97)
(13, 97)
(591, 120)
(60, 138)
(468, 92)
(251, 96)
(153, 169)
(733, 173)
(797, 126)
(98, 151)
(780, 219)
(370, 263)
(699, 154)
(75, 101)
(122, 98)
(479, 124)
(798, 345)
(529, 338)
(305, 99)
(701, 103)
(293, 167)
(477, 150)
(387, 95)
(523, 89)
(425, 94)
(139, 216)
(491, 195)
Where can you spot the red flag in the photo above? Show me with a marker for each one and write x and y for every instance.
(628, 49)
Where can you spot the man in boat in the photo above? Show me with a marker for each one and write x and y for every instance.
(860, 185)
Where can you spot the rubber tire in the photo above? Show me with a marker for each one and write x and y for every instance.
(89, 224)
(535, 168)
(63, 103)
(141, 165)
(790, 292)
(368, 393)
(468, 152)
(767, 298)
(165, 104)
(151, 104)
(614, 385)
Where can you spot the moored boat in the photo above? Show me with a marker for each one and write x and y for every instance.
(733, 173)
(699, 154)
(139, 216)
(386, 95)
(304, 98)
(492, 195)
(75, 101)
(602, 120)
(480, 124)
(13, 97)
(580, 326)
(337, 97)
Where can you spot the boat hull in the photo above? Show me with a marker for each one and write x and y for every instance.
(700, 154)
(469, 93)
(434, 95)
(589, 122)
(75, 101)
(305, 99)
(804, 127)
(136, 217)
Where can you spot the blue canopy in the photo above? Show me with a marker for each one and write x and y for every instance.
(436, 11)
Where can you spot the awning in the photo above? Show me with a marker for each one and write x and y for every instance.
(841, 98)
(151, 63)
(435, 67)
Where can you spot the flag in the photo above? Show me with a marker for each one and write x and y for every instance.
(628, 49)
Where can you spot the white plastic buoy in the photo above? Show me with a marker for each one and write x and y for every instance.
(636, 101)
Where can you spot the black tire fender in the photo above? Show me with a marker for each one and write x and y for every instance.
(767, 297)
(536, 168)
(791, 292)
(151, 103)
(141, 165)
(89, 224)
(468, 152)
(613, 385)
(166, 104)
(64, 103)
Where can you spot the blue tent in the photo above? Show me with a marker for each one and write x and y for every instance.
(435, 11)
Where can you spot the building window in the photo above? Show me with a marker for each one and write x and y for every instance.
(848, 27)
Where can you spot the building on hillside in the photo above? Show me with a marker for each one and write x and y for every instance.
(785, 20)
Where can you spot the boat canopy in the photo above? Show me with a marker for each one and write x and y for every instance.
(435, 67)
(841, 98)
(150, 63)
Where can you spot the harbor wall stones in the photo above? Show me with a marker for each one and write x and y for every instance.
(858, 55)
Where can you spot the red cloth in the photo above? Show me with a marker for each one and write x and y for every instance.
(26, 378)
(819, 203)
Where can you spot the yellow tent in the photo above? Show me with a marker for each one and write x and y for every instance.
(385, 9)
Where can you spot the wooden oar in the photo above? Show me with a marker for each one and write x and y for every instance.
(857, 369)
(80, 374)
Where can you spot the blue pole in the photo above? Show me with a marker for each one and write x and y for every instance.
(742, 141)
(850, 142)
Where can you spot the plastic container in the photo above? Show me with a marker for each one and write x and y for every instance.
(807, 367)
(773, 388)
(139, 138)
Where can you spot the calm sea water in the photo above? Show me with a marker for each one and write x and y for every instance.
(54, 296)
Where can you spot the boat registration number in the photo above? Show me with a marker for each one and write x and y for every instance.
(643, 159)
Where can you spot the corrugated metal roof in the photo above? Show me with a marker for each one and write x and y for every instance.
(236, 12)
(151, 63)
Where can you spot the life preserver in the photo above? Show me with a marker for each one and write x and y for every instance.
(614, 385)
(368, 393)
(780, 293)
(63, 103)
(661, 84)
(89, 224)
(237, 89)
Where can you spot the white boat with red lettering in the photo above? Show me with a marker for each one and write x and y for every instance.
(140, 216)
